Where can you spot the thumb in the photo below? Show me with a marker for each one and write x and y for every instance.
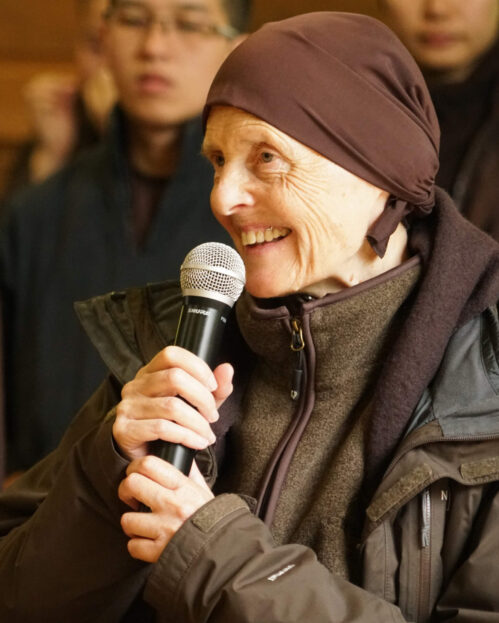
(224, 374)
(196, 476)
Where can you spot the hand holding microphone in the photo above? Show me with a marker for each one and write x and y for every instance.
(176, 395)
(170, 404)
(212, 278)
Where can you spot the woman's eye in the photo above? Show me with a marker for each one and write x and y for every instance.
(267, 156)
(218, 160)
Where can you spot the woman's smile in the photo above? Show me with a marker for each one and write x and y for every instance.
(298, 219)
(256, 236)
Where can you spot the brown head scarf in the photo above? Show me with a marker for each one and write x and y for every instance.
(345, 86)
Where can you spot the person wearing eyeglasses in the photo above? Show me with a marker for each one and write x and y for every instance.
(125, 212)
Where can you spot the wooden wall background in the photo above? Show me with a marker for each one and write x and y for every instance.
(37, 35)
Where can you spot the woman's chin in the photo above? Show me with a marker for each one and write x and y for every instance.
(265, 289)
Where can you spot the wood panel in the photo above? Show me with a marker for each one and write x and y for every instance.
(41, 30)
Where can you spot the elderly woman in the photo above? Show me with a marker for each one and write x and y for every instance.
(366, 489)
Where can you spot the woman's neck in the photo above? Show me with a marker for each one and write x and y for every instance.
(365, 265)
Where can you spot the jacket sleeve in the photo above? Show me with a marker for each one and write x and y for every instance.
(63, 554)
(222, 566)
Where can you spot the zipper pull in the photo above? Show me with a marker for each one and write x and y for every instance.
(425, 518)
(297, 346)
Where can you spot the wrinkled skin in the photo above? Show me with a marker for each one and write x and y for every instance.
(267, 181)
(152, 408)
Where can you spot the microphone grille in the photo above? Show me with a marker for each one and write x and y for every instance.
(213, 270)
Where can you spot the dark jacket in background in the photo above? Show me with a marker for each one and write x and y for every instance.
(431, 526)
(468, 113)
(71, 238)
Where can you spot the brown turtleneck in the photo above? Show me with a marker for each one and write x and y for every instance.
(348, 334)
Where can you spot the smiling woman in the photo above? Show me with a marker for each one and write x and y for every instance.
(289, 210)
(357, 388)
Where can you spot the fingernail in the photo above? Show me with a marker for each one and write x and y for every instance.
(214, 415)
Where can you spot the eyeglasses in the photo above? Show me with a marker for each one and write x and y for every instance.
(138, 19)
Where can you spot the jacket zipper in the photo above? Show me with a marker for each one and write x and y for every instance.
(266, 499)
(425, 557)
(297, 346)
(425, 518)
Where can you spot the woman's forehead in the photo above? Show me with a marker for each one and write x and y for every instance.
(235, 132)
(229, 124)
(221, 117)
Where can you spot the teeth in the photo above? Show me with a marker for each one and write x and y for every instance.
(263, 235)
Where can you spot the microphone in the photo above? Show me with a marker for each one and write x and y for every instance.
(212, 278)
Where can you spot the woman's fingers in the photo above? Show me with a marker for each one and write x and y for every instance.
(132, 434)
(172, 498)
(168, 410)
(170, 383)
(177, 357)
(145, 549)
(173, 398)
(224, 373)
(137, 486)
(160, 486)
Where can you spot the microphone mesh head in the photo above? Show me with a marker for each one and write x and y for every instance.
(213, 270)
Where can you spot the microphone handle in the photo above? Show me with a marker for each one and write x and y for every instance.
(200, 328)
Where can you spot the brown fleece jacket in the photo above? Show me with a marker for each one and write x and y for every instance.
(350, 336)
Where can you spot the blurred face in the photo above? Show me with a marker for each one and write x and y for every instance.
(444, 35)
(164, 54)
(88, 48)
(298, 220)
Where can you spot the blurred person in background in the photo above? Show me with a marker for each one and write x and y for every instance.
(347, 441)
(122, 213)
(456, 45)
(67, 112)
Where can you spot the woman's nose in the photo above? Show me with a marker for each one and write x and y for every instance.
(231, 191)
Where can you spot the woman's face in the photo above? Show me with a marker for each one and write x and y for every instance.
(298, 220)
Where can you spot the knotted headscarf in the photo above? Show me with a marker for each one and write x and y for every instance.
(344, 85)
